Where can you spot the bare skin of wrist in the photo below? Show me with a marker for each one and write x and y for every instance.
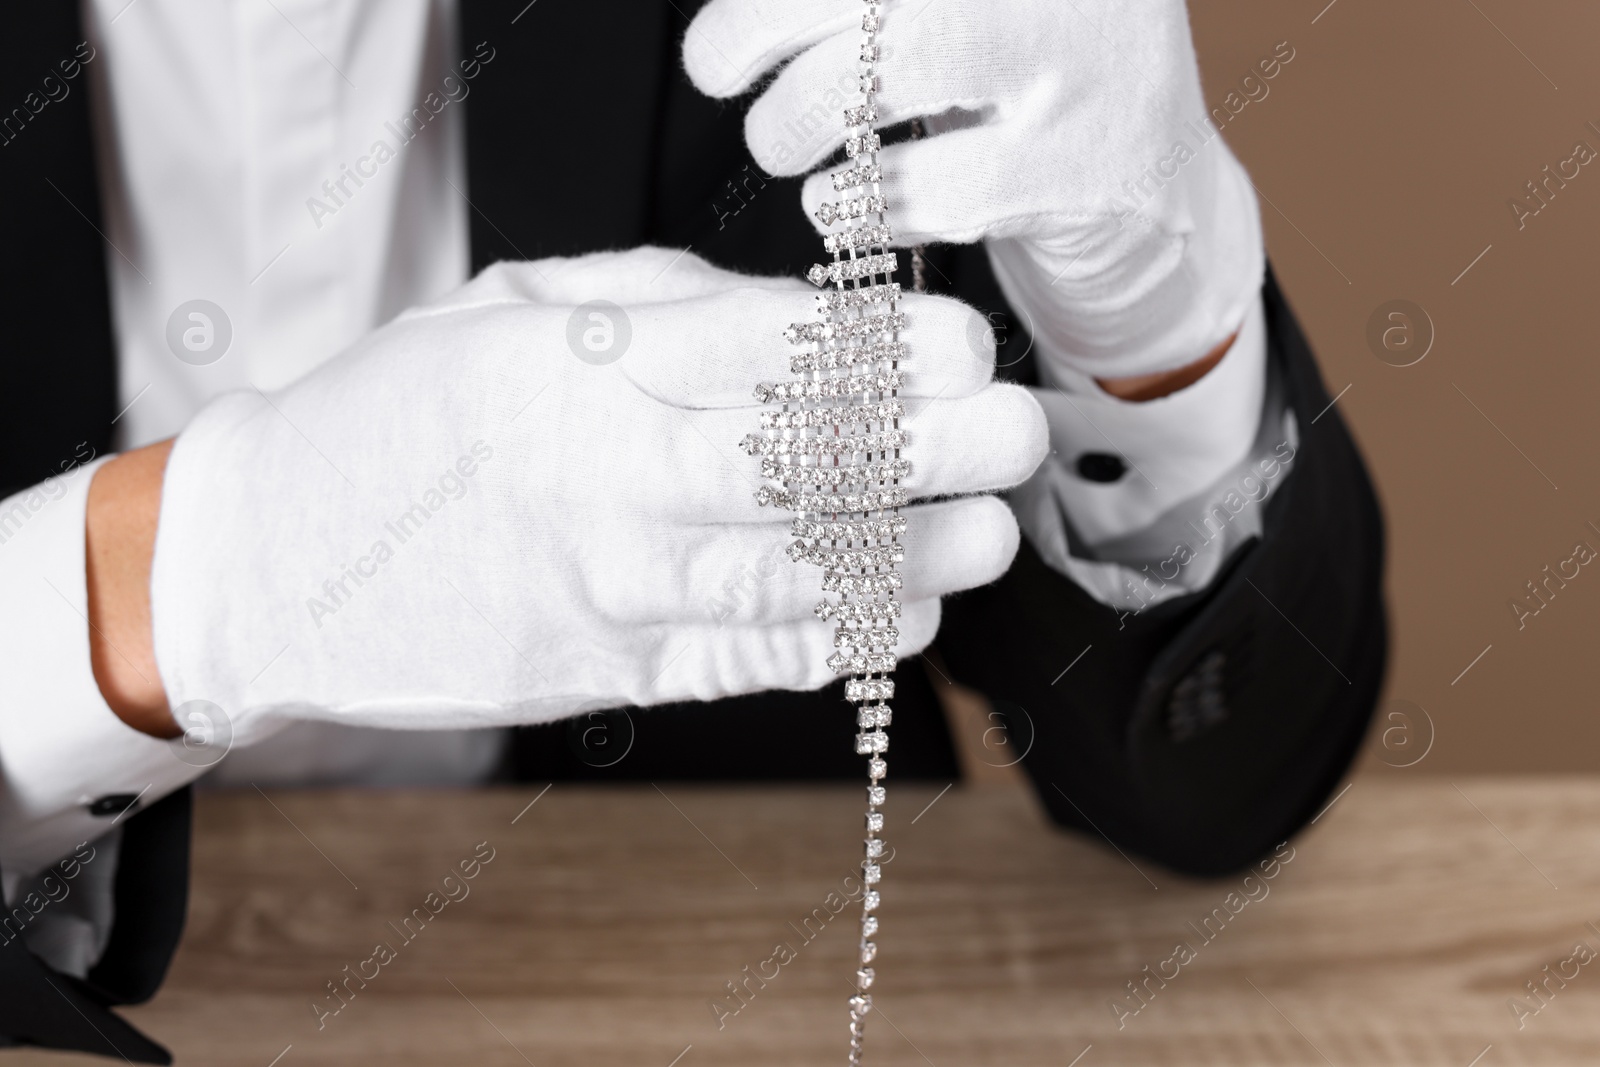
(1155, 386)
(125, 503)
(120, 539)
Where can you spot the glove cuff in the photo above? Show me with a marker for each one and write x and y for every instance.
(207, 637)
(1122, 302)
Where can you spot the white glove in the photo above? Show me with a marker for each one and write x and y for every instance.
(472, 518)
(1067, 134)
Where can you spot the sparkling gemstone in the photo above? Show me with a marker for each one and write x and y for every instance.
(833, 417)
(777, 497)
(842, 475)
(853, 269)
(865, 237)
(869, 952)
(871, 901)
(871, 744)
(866, 142)
(865, 977)
(876, 769)
(868, 584)
(832, 388)
(874, 847)
(855, 444)
(876, 795)
(869, 925)
(845, 559)
(860, 530)
(869, 326)
(844, 299)
(860, 691)
(871, 873)
(850, 356)
(865, 637)
(860, 1004)
(860, 114)
(874, 715)
(875, 822)
(855, 208)
(803, 332)
(861, 174)
(859, 663)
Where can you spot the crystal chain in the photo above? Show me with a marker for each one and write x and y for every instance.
(832, 454)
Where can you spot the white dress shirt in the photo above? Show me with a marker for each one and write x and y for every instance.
(238, 146)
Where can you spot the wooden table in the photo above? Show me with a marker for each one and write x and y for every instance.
(610, 920)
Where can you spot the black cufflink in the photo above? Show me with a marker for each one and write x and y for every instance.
(1101, 467)
(113, 804)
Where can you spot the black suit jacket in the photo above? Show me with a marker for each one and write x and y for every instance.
(1198, 733)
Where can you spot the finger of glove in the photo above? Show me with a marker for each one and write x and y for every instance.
(982, 443)
(939, 62)
(711, 353)
(742, 574)
(731, 44)
(728, 660)
(635, 277)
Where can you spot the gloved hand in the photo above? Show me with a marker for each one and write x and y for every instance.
(504, 507)
(1066, 134)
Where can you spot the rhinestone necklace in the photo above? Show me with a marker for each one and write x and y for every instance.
(831, 453)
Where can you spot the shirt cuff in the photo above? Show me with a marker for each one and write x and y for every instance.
(1122, 504)
(68, 765)
(1171, 447)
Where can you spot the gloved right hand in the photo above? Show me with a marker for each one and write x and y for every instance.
(505, 507)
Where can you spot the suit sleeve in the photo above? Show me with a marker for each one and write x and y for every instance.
(47, 1007)
(1210, 727)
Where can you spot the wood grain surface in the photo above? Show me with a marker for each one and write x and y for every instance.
(609, 921)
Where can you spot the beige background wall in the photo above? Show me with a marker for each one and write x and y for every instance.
(1388, 149)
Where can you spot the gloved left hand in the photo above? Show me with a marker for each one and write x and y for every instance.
(1069, 135)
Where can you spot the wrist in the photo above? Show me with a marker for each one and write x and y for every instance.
(1142, 387)
(120, 532)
